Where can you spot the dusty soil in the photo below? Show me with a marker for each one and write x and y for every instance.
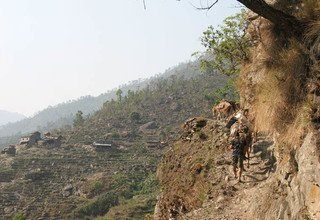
(235, 202)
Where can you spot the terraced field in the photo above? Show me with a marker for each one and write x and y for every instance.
(69, 182)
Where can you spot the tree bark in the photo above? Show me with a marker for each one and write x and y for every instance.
(290, 24)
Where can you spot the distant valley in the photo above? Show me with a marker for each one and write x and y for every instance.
(62, 115)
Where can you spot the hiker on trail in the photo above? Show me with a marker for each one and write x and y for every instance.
(237, 145)
(240, 123)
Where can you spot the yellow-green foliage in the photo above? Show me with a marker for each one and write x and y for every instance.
(96, 186)
(19, 216)
(136, 208)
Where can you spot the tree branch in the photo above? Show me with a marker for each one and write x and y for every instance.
(208, 7)
(144, 4)
(288, 23)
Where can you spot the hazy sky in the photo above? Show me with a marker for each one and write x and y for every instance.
(56, 50)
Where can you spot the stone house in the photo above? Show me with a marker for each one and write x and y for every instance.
(50, 141)
(103, 145)
(11, 150)
(47, 141)
(31, 139)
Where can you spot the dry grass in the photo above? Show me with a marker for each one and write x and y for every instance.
(294, 134)
(304, 9)
(284, 67)
(268, 99)
(312, 38)
(308, 10)
(283, 88)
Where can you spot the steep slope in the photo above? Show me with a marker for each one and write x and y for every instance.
(81, 181)
(9, 117)
(72, 182)
(165, 104)
(280, 86)
(197, 178)
(62, 115)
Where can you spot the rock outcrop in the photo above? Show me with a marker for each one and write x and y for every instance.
(298, 191)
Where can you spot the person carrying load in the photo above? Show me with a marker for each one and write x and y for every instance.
(237, 145)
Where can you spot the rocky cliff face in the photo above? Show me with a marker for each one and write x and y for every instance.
(298, 185)
(293, 191)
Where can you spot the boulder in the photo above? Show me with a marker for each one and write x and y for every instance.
(8, 209)
(67, 190)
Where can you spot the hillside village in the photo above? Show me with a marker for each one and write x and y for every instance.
(34, 140)
(106, 166)
(50, 141)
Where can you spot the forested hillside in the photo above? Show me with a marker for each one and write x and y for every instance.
(62, 115)
(166, 103)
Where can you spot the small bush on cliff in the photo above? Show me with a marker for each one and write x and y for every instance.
(149, 185)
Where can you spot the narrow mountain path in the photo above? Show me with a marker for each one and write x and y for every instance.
(233, 203)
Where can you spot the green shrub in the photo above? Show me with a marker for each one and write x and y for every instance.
(228, 44)
(135, 116)
(78, 120)
(96, 186)
(19, 216)
(115, 135)
(99, 206)
(149, 185)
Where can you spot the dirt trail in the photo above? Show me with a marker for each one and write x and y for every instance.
(235, 199)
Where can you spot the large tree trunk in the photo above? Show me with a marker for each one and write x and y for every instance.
(288, 23)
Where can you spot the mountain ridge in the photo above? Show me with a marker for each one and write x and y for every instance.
(10, 117)
(62, 115)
